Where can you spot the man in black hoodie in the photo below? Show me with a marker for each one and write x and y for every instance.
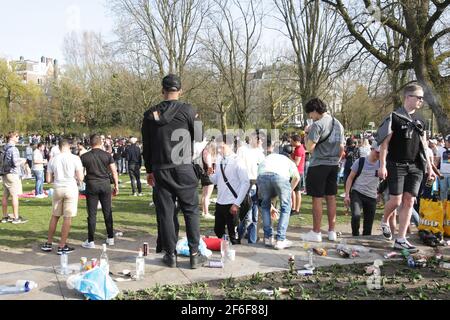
(167, 136)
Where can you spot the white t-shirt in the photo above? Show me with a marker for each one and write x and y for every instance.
(445, 160)
(37, 156)
(279, 164)
(54, 152)
(63, 167)
(251, 157)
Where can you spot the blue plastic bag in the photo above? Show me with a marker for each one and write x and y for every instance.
(95, 284)
(183, 248)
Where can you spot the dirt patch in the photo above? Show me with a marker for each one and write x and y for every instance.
(336, 282)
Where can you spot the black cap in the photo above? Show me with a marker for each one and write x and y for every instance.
(171, 82)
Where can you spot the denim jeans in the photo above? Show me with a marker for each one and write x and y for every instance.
(444, 186)
(271, 185)
(250, 223)
(39, 175)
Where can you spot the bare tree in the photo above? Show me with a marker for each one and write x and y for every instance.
(232, 36)
(167, 30)
(315, 33)
(425, 27)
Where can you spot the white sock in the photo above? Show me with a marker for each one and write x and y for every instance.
(401, 240)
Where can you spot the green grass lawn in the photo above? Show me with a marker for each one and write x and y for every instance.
(132, 215)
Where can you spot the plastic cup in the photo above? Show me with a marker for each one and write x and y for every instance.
(232, 255)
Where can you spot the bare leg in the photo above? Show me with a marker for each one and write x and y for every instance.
(317, 214)
(393, 222)
(5, 205)
(405, 213)
(52, 228)
(206, 198)
(65, 231)
(331, 208)
(390, 206)
(15, 205)
(298, 200)
(293, 200)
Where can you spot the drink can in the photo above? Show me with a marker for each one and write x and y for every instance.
(93, 262)
(429, 183)
(145, 249)
(83, 262)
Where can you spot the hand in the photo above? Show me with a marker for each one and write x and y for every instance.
(234, 209)
(274, 213)
(150, 179)
(431, 174)
(210, 171)
(382, 173)
(347, 200)
(307, 128)
(116, 190)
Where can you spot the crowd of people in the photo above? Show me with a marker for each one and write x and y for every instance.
(253, 175)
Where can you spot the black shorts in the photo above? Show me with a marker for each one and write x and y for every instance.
(322, 181)
(299, 185)
(204, 179)
(403, 178)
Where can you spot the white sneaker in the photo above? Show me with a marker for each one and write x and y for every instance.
(283, 244)
(88, 245)
(208, 216)
(110, 241)
(269, 242)
(141, 194)
(312, 236)
(332, 236)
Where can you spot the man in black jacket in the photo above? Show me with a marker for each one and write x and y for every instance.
(167, 136)
(134, 159)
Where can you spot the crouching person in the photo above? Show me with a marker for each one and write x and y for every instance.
(274, 174)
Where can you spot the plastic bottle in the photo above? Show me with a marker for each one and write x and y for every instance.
(140, 265)
(21, 286)
(64, 263)
(224, 247)
(104, 261)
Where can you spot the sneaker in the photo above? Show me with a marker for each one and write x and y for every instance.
(197, 260)
(88, 245)
(269, 242)
(6, 219)
(332, 236)
(403, 245)
(312, 236)
(283, 244)
(19, 220)
(47, 247)
(386, 230)
(41, 196)
(140, 194)
(170, 260)
(66, 249)
(135, 194)
(110, 241)
(208, 216)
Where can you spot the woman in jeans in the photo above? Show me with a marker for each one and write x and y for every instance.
(38, 170)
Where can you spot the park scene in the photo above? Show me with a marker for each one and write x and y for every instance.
(225, 150)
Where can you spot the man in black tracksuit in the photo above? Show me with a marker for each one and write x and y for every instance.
(167, 136)
(134, 159)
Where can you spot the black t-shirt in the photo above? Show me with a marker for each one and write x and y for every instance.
(405, 142)
(96, 163)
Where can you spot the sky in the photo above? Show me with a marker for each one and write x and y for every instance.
(35, 28)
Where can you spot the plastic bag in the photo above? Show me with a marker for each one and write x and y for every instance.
(183, 248)
(447, 221)
(94, 284)
(431, 216)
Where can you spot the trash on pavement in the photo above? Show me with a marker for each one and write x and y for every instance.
(265, 291)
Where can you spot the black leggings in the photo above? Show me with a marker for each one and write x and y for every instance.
(368, 206)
